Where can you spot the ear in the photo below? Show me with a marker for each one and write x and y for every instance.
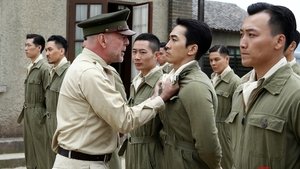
(192, 49)
(280, 41)
(62, 51)
(102, 40)
(156, 54)
(227, 58)
(292, 46)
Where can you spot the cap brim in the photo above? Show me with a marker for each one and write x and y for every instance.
(127, 32)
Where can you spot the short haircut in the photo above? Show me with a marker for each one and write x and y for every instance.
(198, 33)
(282, 19)
(296, 37)
(37, 40)
(220, 49)
(60, 41)
(154, 41)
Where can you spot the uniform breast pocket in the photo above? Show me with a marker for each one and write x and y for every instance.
(268, 135)
(55, 89)
(35, 89)
(222, 93)
(33, 82)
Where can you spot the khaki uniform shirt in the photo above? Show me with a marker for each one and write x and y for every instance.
(91, 112)
(189, 133)
(144, 141)
(268, 134)
(34, 109)
(296, 68)
(52, 94)
(225, 87)
(167, 67)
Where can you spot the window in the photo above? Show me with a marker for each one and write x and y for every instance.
(140, 24)
(78, 11)
(140, 21)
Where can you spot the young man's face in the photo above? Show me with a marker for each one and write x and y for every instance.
(143, 57)
(257, 44)
(218, 62)
(161, 57)
(32, 51)
(177, 52)
(54, 52)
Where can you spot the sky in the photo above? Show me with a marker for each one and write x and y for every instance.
(291, 4)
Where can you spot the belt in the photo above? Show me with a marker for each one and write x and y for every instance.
(142, 139)
(179, 144)
(33, 105)
(82, 156)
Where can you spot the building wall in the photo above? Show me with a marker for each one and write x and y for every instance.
(160, 17)
(226, 38)
(17, 18)
(179, 8)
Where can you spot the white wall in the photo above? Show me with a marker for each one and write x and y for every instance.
(17, 18)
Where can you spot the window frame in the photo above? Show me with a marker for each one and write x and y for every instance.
(71, 22)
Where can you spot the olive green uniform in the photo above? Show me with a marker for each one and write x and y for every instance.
(225, 87)
(144, 148)
(296, 68)
(189, 134)
(52, 94)
(267, 134)
(115, 161)
(34, 109)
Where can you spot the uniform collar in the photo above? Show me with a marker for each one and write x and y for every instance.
(274, 83)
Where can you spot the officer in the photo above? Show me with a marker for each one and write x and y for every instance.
(90, 110)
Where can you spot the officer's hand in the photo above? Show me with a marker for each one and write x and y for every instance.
(167, 89)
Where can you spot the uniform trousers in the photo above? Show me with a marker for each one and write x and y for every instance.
(62, 162)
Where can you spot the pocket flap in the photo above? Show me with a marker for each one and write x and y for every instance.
(267, 122)
(222, 93)
(231, 117)
(34, 81)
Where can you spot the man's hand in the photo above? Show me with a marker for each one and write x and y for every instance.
(166, 89)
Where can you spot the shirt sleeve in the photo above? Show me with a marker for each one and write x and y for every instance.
(108, 103)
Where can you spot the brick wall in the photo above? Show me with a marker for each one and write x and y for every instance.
(179, 8)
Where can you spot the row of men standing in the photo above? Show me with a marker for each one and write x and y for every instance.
(42, 87)
(184, 137)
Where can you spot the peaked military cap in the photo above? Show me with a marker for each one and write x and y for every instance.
(108, 22)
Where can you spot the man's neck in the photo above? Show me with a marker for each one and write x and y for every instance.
(34, 58)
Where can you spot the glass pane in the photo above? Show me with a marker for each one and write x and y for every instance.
(95, 10)
(81, 12)
(78, 33)
(238, 51)
(139, 25)
(78, 48)
(140, 19)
